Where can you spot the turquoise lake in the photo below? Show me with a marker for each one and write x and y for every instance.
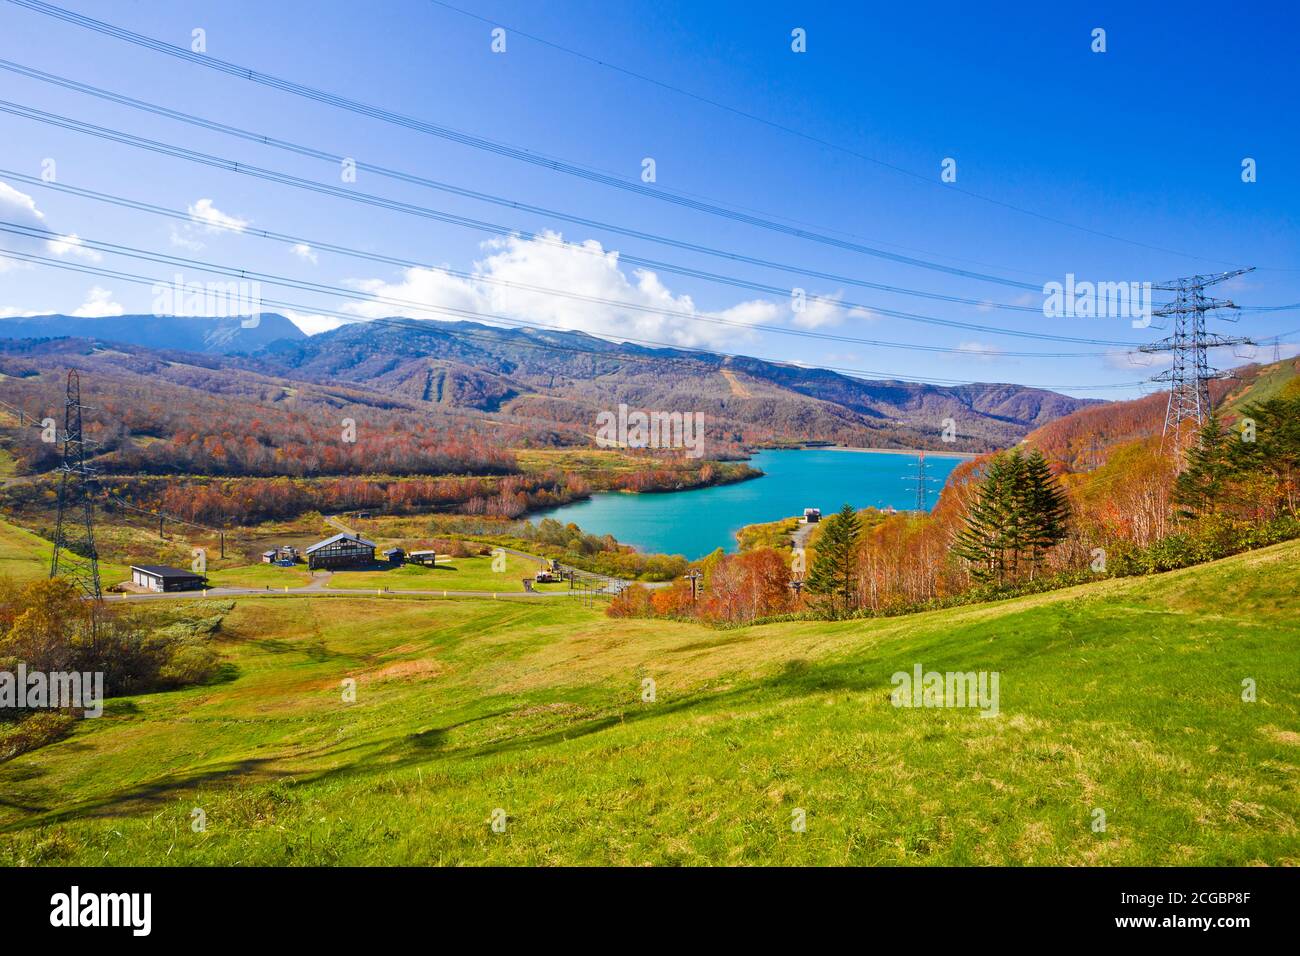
(693, 523)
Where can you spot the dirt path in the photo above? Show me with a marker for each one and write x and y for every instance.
(801, 534)
(737, 386)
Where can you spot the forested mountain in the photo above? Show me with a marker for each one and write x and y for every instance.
(212, 335)
(1084, 438)
(566, 377)
(560, 381)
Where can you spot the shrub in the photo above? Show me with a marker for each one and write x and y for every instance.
(33, 731)
(634, 601)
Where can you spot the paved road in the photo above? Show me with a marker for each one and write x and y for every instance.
(321, 591)
(318, 587)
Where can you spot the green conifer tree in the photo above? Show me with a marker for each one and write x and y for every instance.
(1045, 509)
(986, 541)
(1199, 486)
(1019, 512)
(834, 573)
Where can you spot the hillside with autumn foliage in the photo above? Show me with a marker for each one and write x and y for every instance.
(207, 441)
(1112, 498)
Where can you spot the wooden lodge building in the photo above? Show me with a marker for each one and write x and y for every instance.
(344, 550)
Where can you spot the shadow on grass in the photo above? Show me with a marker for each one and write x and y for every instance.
(797, 678)
(313, 650)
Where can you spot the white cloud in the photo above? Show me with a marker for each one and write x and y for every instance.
(304, 252)
(99, 303)
(19, 205)
(312, 323)
(72, 245)
(20, 209)
(585, 269)
(206, 213)
(825, 309)
(980, 350)
(205, 217)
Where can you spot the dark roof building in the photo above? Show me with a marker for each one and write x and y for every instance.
(344, 550)
(160, 577)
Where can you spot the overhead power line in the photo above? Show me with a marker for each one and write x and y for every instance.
(471, 277)
(809, 137)
(464, 192)
(467, 139)
(415, 305)
(479, 225)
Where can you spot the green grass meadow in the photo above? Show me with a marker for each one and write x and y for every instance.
(1123, 696)
(458, 574)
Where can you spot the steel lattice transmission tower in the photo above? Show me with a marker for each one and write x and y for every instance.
(75, 556)
(922, 483)
(1190, 374)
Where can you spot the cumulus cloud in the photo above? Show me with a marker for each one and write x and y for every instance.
(206, 213)
(825, 309)
(99, 303)
(205, 217)
(21, 209)
(71, 245)
(632, 305)
(311, 323)
(304, 252)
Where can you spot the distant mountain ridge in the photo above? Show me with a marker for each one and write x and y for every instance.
(566, 378)
(222, 336)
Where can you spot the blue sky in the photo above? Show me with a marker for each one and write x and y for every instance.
(1143, 142)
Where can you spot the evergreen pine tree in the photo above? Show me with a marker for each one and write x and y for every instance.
(1020, 511)
(1273, 456)
(834, 573)
(1045, 508)
(985, 541)
(1200, 484)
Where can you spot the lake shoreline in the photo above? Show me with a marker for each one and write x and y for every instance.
(966, 455)
(695, 522)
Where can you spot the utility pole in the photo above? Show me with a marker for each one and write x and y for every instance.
(922, 483)
(75, 556)
(1190, 374)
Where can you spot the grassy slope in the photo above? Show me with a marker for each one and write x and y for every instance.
(260, 575)
(1123, 695)
(1272, 381)
(458, 574)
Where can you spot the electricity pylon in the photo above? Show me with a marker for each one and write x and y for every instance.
(922, 483)
(1190, 374)
(75, 556)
